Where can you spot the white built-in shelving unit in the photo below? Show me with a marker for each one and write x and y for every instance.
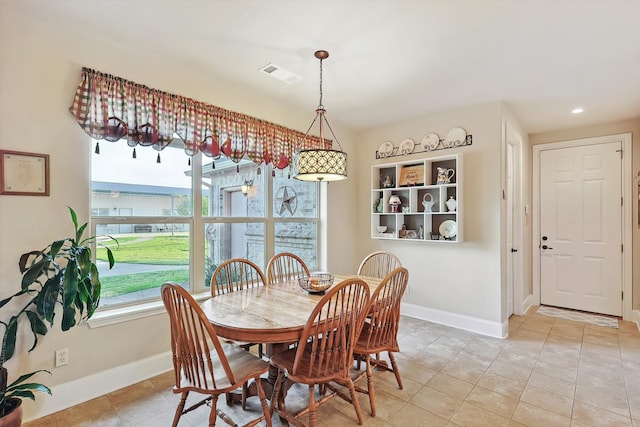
(415, 182)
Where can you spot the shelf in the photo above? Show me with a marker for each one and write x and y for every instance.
(425, 191)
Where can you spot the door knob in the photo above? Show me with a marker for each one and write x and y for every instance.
(514, 250)
(546, 247)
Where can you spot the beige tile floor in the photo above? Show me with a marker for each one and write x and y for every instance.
(549, 372)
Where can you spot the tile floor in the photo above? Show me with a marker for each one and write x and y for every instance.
(549, 372)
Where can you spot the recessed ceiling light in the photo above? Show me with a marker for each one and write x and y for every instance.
(280, 73)
(577, 110)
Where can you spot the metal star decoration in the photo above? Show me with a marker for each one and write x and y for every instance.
(286, 201)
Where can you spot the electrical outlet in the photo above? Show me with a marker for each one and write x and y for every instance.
(62, 357)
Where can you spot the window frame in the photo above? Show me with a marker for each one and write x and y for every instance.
(197, 222)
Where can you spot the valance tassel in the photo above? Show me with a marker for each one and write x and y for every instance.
(135, 155)
(97, 150)
(237, 168)
(158, 159)
(258, 172)
(273, 173)
(213, 165)
(188, 161)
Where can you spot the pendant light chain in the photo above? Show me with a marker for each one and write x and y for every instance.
(320, 103)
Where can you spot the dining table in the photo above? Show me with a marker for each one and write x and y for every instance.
(274, 314)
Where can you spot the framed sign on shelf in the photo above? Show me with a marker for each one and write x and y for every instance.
(24, 174)
(411, 176)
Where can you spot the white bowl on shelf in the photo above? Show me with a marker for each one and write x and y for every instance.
(381, 229)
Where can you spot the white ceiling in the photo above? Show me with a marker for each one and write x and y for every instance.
(392, 60)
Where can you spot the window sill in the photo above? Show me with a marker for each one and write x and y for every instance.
(112, 316)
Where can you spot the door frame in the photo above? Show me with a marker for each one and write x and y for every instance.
(627, 212)
(513, 137)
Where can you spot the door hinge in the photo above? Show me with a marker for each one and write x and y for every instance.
(621, 201)
(621, 247)
(622, 295)
(621, 153)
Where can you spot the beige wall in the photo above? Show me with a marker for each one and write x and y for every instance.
(464, 278)
(633, 126)
(40, 64)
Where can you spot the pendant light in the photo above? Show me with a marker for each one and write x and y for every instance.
(320, 164)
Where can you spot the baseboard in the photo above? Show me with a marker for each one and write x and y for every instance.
(83, 389)
(635, 318)
(455, 320)
(526, 305)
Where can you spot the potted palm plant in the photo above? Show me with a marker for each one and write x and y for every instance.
(62, 274)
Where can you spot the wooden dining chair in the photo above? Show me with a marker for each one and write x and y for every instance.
(202, 363)
(380, 331)
(233, 275)
(378, 264)
(324, 353)
(285, 267)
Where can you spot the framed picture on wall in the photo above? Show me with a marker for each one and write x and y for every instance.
(24, 174)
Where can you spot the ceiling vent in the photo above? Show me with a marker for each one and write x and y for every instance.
(280, 73)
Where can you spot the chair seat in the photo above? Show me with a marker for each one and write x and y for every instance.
(308, 374)
(243, 364)
(364, 346)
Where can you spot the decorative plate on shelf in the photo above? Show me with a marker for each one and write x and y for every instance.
(448, 229)
(455, 137)
(430, 141)
(385, 149)
(406, 146)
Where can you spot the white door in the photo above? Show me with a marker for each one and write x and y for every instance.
(509, 202)
(581, 228)
(513, 223)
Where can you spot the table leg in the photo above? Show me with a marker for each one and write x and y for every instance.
(269, 382)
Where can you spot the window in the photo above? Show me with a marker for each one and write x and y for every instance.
(149, 206)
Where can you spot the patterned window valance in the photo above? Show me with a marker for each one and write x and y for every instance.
(112, 108)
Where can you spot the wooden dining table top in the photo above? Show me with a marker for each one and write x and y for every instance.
(271, 314)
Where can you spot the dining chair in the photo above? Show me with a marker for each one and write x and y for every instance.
(378, 264)
(233, 275)
(284, 267)
(202, 363)
(324, 353)
(380, 331)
